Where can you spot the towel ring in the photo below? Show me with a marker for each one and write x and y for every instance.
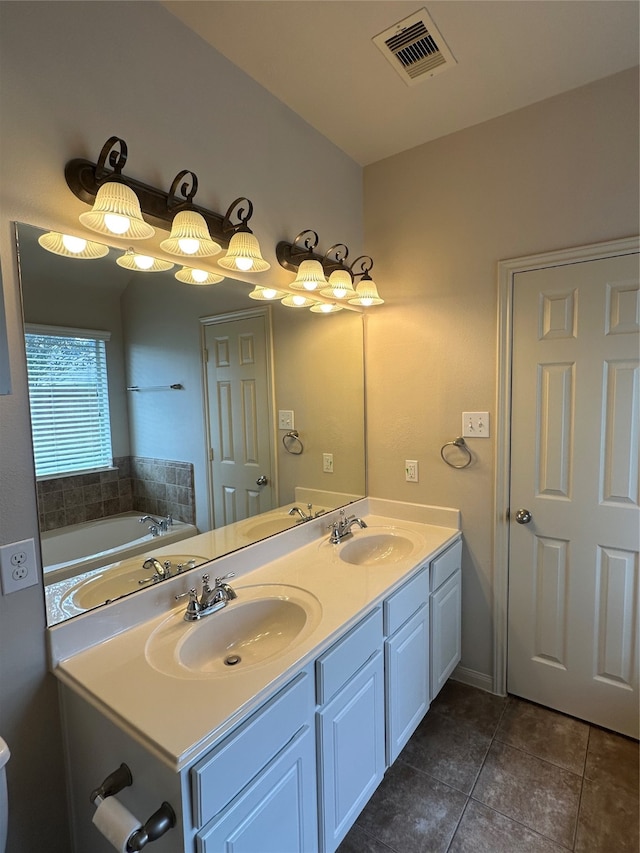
(293, 442)
(458, 442)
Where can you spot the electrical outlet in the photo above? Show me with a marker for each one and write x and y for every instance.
(475, 424)
(327, 463)
(411, 470)
(285, 419)
(18, 568)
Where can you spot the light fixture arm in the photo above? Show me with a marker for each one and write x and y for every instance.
(85, 178)
(366, 265)
(244, 217)
(291, 255)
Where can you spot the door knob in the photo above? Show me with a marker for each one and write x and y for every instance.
(523, 516)
(262, 480)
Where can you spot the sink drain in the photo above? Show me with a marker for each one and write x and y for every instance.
(232, 660)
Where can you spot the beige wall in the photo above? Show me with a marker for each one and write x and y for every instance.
(178, 104)
(561, 173)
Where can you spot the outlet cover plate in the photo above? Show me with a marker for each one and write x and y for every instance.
(18, 569)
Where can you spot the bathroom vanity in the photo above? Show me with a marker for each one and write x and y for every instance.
(341, 649)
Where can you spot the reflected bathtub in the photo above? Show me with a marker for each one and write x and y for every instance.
(79, 548)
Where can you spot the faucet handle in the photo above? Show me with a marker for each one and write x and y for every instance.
(193, 607)
(218, 581)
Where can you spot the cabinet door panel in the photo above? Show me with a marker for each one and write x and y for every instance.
(407, 694)
(351, 751)
(446, 628)
(276, 813)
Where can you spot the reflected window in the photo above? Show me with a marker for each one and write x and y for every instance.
(69, 399)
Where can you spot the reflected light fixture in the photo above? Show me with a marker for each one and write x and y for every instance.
(265, 293)
(326, 307)
(69, 246)
(132, 260)
(187, 275)
(298, 300)
(244, 250)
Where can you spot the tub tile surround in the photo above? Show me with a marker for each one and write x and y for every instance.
(479, 775)
(154, 486)
(101, 654)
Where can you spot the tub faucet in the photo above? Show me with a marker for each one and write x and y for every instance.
(162, 524)
(342, 528)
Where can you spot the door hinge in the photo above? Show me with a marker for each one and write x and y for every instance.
(205, 354)
(211, 454)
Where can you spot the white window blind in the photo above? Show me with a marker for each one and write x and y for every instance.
(69, 399)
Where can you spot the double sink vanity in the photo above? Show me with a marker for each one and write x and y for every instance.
(267, 724)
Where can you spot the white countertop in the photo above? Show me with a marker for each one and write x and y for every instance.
(177, 718)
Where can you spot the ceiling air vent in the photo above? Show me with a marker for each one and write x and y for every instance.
(415, 48)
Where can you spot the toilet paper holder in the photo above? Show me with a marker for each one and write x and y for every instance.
(161, 821)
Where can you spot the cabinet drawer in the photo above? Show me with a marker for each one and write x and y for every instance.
(445, 565)
(404, 603)
(335, 667)
(225, 771)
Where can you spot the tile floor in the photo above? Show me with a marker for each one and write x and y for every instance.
(485, 774)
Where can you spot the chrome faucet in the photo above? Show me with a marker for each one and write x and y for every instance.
(212, 598)
(341, 529)
(162, 524)
(295, 510)
(162, 571)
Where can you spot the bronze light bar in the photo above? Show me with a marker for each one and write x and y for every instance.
(85, 178)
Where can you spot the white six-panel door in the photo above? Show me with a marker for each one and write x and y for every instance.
(237, 375)
(573, 568)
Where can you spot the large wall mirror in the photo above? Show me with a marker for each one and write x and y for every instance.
(224, 414)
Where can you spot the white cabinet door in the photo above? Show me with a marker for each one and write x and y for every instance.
(276, 812)
(350, 751)
(446, 631)
(407, 681)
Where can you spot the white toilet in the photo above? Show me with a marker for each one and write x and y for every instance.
(4, 800)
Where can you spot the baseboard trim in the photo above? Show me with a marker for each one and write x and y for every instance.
(473, 678)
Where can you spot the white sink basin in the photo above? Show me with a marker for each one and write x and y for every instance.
(118, 580)
(262, 623)
(268, 526)
(378, 547)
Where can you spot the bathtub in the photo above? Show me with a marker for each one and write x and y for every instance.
(79, 548)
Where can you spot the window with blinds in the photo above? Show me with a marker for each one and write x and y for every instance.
(69, 399)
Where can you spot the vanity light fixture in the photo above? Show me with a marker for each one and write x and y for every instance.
(139, 262)
(244, 250)
(187, 275)
(340, 284)
(195, 231)
(341, 276)
(72, 247)
(366, 290)
(310, 275)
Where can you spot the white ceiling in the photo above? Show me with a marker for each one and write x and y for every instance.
(318, 58)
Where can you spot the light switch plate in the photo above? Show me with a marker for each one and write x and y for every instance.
(475, 424)
(285, 419)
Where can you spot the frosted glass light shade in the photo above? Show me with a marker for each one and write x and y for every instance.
(265, 293)
(142, 263)
(340, 286)
(116, 210)
(326, 307)
(190, 237)
(244, 254)
(187, 275)
(72, 247)
(366, 294)
(298, 300)
(310, 276)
